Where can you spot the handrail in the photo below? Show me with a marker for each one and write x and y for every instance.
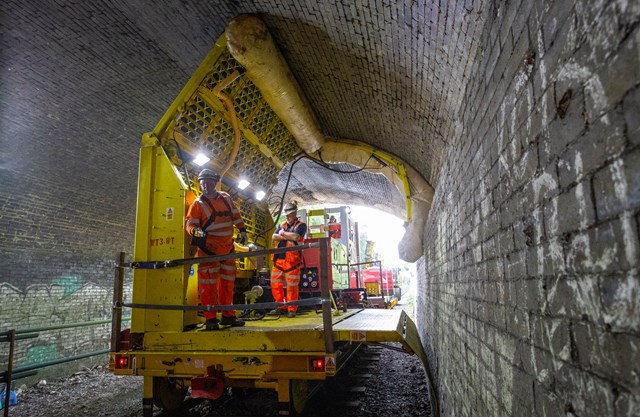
(12, 335)
(26, 369)
(325, 300)
(28, 332)
(213, 258)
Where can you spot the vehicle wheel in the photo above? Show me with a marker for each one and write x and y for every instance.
(299, 394)
(168, 393)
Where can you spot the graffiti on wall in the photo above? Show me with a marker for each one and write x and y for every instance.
(66, 300)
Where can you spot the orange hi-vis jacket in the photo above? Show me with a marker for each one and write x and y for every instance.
(335, 230)
(293, 259)
(220, 231)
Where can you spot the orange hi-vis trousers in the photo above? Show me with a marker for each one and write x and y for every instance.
(215, 285)
(281, 273)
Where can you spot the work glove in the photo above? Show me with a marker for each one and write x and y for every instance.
(242, 237)
(198, 232)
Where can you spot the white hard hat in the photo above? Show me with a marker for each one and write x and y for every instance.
(290, 208)
(208, 174)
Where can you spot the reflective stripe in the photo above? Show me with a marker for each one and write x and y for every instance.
(277, 277)
(228, 277)
(225, 215)
(207, 281)
(205, 208)
(222, 234)
(217, 225)
(226, 267)
(292, 276)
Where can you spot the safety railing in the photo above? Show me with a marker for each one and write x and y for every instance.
(11, 336)
(324, 301)
(379, 264)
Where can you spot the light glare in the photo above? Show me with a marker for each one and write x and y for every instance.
(243, 184)
(260, 195)
(201, 159)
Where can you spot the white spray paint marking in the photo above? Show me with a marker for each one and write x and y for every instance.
(586, 294)
(621, 190)
(551, 329)
(543, 184)
(592, 85)
(529, 110)
(544, 181)
(519, 83)
(501, 131)
(543, 79)
(582, 203)
(582, 244)
(624, 313)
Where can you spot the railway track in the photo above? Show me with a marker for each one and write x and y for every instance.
(377, 382)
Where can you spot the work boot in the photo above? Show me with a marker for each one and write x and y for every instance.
(291, 314)
(211, 324)
(275, 312)
(232, 321)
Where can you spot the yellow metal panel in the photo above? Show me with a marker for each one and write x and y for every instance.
(304, 334)
(268, 350)
(236, 365)
(238, 340)
(190, 87)
(159, 235)
(372, 325)
(198, 120)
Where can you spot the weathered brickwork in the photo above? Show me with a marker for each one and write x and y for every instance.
(532, 297)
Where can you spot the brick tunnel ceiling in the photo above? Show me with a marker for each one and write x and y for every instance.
(390, 74)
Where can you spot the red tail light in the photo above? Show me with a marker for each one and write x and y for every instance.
(317, 364)
(122, 362)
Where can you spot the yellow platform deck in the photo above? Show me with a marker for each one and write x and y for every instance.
(304, 333)
(273, 353)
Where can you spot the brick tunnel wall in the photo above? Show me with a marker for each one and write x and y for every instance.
(57, 260)
(532, 294)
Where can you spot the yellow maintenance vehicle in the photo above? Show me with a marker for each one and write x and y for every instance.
(221, 114)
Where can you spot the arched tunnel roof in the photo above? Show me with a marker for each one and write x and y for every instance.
(83, 83)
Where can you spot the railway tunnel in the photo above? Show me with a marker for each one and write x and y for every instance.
(515, 124)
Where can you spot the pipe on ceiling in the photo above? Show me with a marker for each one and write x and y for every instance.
(410, 248)
(250, 43)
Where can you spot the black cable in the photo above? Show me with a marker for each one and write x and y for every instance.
(320, 162)
(326, 165)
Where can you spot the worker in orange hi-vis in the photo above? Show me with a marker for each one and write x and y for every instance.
(210, 221)
(286, 266)
(335, 230)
